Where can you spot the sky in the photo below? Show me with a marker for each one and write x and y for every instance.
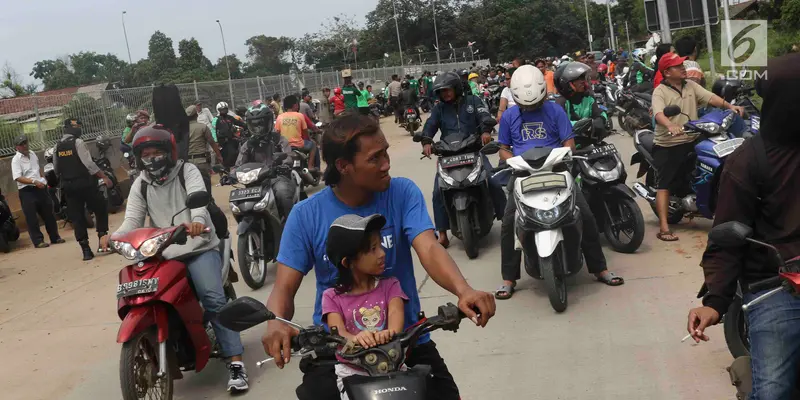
(31, 31)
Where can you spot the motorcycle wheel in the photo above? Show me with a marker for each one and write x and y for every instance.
(629, 238)
(138, 366)
(251, 260)
(230, 292)
(467, 234)
(623, 125)
(735, 328)
(5, 247)
(556, 284)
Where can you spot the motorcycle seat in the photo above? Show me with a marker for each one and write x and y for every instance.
(644, 96)
(646, 140)
(302, 150)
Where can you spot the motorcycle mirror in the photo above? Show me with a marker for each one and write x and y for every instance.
(197, 200)
(319, 124)
(671, 111)
(417, 137)
(280, 157)
(730, 234)
(243, 313)
(491, 148)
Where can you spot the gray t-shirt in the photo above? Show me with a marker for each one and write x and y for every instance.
(307, 111)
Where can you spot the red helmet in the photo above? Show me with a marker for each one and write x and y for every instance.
(155, 136)
(602, 68)
(337, 91)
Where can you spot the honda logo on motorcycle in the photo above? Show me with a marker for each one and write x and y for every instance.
(389, 390)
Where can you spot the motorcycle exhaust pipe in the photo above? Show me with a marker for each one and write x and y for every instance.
(645, 192)
(620, 109)
(306, 176)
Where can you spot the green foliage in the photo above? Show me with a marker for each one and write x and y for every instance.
(268, 55)
(790, 15)
(160, 52)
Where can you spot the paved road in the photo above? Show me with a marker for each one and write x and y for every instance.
(58, 324)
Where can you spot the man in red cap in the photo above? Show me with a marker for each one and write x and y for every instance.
(671, 144)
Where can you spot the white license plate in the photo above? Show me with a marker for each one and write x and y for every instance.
(135, 288)
(727, 147)
(245, 194)
(296, 163)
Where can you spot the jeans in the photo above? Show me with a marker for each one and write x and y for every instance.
(283, 189)
(319, 381)
(311, 146)
(36, 202)
(205, 270)
(511, 259)
(496, 192)
(774, 331)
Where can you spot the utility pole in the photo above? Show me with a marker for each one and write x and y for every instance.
(663, 16)
(709, 44)
(436, 34)
(628, 35)
(611, 25)
(227, 63)
(397, 29)
(130, 61)
(588, 29)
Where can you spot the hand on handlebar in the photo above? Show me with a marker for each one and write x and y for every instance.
(675, 130)
(427, 150)
(699, 319)
(277, 342)
(367, 339)
(197, 229)
(486, 138)
(471, 300)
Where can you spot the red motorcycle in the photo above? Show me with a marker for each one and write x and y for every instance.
(163, 329)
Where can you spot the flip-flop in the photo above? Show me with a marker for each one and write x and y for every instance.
(611, 279)
(662, 236)
(507, 289)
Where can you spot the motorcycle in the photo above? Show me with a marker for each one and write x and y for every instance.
(383, 363)
(164, 329)
(491, 96)
(300, 166)
(608, 95)
(57, 195)
(602, 180)
(424, 104)
(464, 185)
(383, 105)
(634, 111)
(737, 234)
(547, 224)
(9, 231)
(256, 212)
(412, 120)
(696, 194)
(112, 195)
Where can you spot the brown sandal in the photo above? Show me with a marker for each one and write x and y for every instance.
(667, 236)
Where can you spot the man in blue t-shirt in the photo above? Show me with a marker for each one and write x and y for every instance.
(359, 183)
(536, 122)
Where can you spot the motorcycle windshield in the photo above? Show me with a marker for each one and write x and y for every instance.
(455, 144)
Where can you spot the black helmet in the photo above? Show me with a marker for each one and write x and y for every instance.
(464, 72)
(569, 72)
(448, 80)
(404, 84)
(161, 138)
(726, 89)
(102, 143)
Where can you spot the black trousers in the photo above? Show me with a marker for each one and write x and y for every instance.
(511, 259)
(36, 203)
(398, 110)
(230, 151)
(78, 198)
(319, 381)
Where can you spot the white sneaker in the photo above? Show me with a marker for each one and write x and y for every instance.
(238, 377)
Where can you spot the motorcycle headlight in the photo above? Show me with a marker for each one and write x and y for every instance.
(726, 123)
(151, 246)
(605, 176)
(447, 178)
(262, 204)
(235, 209)
(248, 177)
(476, 170)
(124, 249)
(547, 216)
(710, 127)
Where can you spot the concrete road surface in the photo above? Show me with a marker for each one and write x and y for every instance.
(58, 323)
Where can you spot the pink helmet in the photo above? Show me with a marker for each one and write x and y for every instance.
(602, 68)
(257, 103)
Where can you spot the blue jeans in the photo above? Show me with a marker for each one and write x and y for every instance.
(495, 191)
(774, 330)
(205, 270)
(311, 146)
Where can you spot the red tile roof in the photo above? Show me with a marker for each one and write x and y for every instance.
(50, 98)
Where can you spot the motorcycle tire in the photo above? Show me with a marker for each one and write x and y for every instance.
(5, 247)
(252, 277)
(673, 217)
(623, 125)
(628, 207)
(230, 292)
(131, 355)
(15, 234)
(735, 328)
(467, 234)
(555, 281)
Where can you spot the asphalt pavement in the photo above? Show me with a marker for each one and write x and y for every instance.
(58, 322)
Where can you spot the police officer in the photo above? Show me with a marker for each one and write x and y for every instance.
(78, 175)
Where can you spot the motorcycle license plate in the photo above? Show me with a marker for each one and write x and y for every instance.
(727, 147)
(602, 151)
(458, 160)
(296, 163)
(246, 194)
(539, 182)
(135, 288)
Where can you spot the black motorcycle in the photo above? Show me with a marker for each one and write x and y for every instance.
(411, 120)
(383, 363)
(424, 104)
(464, 184)
(634, 111)
(9, 231)
(256, 211)
(383, 105)
(113, 194)
(492, 97)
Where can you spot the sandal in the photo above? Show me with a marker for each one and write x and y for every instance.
(611, 279)
(667, 236)
(504, 292)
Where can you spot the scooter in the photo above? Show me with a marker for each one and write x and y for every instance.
(383, 363)
(412, 120)
(164, 328)
(696, 194)
(113, 195)
(634, 111)
(9, 231)
(737, 234)
(464, 185)
(300, 166)
(547, 224)
(56, 193)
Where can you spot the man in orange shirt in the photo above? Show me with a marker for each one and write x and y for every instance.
(548, 76)
(293, 126)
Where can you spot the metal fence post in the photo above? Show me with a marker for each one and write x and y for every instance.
(105, 115)
(260, 92)
(38, 119)
(283, 90)
(196, 96)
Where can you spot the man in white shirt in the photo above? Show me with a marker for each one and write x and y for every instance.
(33, 194)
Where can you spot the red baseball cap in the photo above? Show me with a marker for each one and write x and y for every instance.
(670, 60)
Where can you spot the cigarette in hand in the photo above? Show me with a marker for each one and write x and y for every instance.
(686, 337)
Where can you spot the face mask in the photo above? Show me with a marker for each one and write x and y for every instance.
(156, 166)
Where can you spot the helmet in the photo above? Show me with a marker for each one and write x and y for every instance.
(259, 119)
(159, 137)
(337, 90)
(653, 60)
(221, 105)
(726, 89)
(102, 143)
(472, 75)
(72, 126)
(464, 72)
(241, 110)
(257, 102)
(528, 86)
(568, 72)
(404, 84)
(48, 154)
(448, 80)
(602, 68)
(130, 117)
(639, 54)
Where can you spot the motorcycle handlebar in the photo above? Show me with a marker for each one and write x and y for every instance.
(765, 284)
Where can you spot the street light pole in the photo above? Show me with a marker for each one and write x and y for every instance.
(130, 61)
(611, 25)
(588, 29)
(227, 63)
(436, 34)
(397, 29)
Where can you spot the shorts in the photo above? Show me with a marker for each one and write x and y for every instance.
(363, 110)
(671, 163)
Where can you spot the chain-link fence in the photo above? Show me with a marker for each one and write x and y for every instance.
(103, 112)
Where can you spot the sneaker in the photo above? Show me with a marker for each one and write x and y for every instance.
(59, 241)
(41, 245)
(238, 379)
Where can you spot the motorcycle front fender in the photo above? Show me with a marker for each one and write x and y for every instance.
(547, 241)
(143, 317)
(245, 224)
(637, 158)
(461, 201)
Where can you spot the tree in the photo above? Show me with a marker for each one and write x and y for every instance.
(191, 56)
(161, 53)
(221, 68)
(55, 74)
(268, 55)
(790, 15)
(10, 79)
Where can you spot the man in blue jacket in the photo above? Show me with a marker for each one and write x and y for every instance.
(458, 114)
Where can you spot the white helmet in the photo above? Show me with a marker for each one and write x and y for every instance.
(528, 86)
(221, 104)
(653, 61)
